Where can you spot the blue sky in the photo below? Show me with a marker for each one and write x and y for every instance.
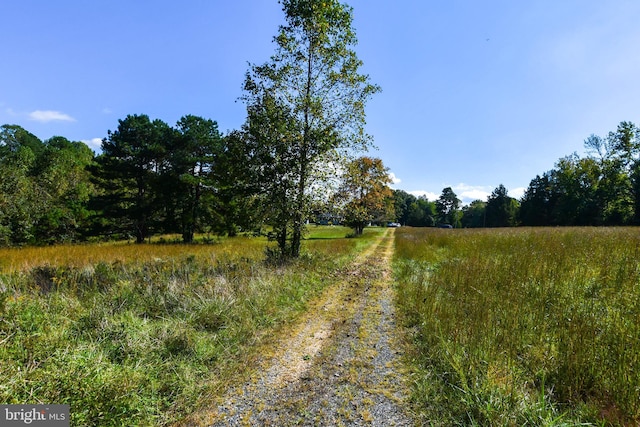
(474, 94)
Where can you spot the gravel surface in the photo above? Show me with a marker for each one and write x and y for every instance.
(340, 365)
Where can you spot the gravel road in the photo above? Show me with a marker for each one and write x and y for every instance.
(340, 365)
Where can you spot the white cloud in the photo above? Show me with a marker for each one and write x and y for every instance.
(106, 110)
(45, 116)
(469, 193)
(517, 193)
(94, 143)
(429, 195)
(394, 179)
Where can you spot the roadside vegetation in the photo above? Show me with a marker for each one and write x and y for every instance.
(523, 326)
(144, 333)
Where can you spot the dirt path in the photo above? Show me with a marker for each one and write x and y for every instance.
(338, 366)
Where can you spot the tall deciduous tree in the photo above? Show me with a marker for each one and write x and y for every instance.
(14, 138)
(624, 143)
(365, 193)
(21, 199)
(402, 202)
(616, 194)
(422, 213)
(575, 184)
(44, 187)
(313, 88)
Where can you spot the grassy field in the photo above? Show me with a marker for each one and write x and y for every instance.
(523, 326)
(144, 333)
(510, 326)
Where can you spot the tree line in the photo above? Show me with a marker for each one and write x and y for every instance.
(499, 210)
(151, 179)
(600, 188)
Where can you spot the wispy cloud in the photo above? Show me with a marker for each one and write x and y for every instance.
(45, 116)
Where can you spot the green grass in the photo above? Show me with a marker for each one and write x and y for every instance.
(327, 232)
(145, 333)
(523, 326)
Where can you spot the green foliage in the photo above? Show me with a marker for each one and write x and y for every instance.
(304, 106)
(525, 326)
(194, 157)
(129, 171)
(14, 138)
(44, 190)
(501, 210)
(414, 211)
(401, 201)
(474, 215)
(364, 194)
(157, 179)
(447, 207)
(600, 189)
(537, 203)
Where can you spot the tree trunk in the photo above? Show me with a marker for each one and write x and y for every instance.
(140, 233)
(187, 236)
(298, 218)
(282, 241)
(296, 239)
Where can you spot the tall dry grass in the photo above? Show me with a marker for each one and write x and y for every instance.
(81, 255)
(524, 326)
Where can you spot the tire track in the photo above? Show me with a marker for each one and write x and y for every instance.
(339, 365)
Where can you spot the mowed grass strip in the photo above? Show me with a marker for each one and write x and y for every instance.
(523, 326)
(141, 334)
